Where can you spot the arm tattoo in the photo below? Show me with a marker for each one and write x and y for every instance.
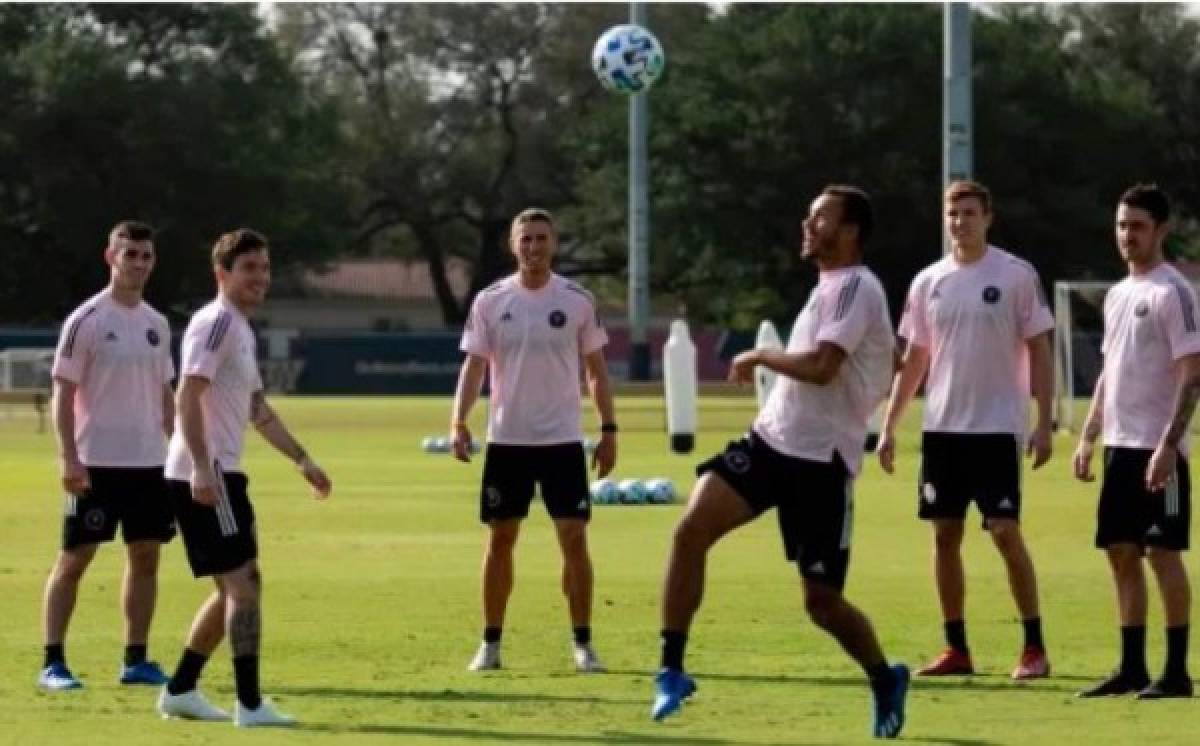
(245, 628)
(1189, 394)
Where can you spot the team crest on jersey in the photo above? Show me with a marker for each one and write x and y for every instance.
(557, 319)
(991, 294)
(94, 519)
(1141, 309)
(110, 336)
(737, 461)
(152, 337)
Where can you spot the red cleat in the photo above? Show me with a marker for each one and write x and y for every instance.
(1033, 665)
(950, 663)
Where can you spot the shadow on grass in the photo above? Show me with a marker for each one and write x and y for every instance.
(604, 737)
(976, 682)
(446, 695)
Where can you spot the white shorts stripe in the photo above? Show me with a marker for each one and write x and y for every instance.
(1172, 497)
(71, 505)
(224, 510)
(848, 518)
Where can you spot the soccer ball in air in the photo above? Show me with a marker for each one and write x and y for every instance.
(628, 59)
(605, 492)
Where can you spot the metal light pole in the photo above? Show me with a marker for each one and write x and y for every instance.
(639, 225)
(956, 98)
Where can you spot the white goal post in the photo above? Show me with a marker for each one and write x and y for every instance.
(1078, 333)
(26, 368)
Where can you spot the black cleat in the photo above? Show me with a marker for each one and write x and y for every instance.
(1116, 684)
(1167, 688)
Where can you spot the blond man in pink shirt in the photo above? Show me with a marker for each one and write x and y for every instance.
(1144, 400)
(113, 409)
(530, 330)
(977, 321)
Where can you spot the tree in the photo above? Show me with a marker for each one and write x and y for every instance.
(457, 113)
(188, 117)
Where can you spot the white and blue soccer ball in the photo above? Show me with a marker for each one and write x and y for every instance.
(429, 444)
(660, 491)
(633, 492)
(628, 59)
(605, 492)
(441, 445)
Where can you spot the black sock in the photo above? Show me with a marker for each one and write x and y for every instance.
(1133, 651)
(245, 674)
(1033, 633)
(956, 635)
(881, 677)
(54, 654)
(187, 672)
(492, 634)
(673, 644)
(1177, 645)
(583, 635)
(135, 654)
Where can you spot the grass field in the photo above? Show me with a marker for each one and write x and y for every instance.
(371, 609)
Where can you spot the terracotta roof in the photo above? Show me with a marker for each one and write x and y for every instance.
(384, 278)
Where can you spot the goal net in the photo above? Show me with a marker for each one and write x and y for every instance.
(1078, 333)
(26, 368)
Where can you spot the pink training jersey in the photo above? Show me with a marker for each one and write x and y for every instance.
(120, 360)
(533, 341)
(218, 346)
(805, 420)
(976, 319)
(1149, 323)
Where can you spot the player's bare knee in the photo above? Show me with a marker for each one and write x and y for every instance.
(822, 604)
(1006, 534)
(947, 537)
(502, 537)
(71, 565)
(691, 535)
(143, 559)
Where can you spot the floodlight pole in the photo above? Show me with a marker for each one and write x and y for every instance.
(639, 225)
(956, 97)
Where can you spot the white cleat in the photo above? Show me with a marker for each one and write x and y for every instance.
(487, 658)
(266, 716)
(586, 660)
(189, 706)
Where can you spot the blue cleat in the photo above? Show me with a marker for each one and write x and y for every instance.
(146, 672)
(56, 677)
(671, 688)
(889, 710)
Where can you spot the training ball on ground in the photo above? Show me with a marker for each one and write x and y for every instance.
(428, 444)
(660, 491)
(633, 492)
(628, 59)
(605, 492)
(441, 445)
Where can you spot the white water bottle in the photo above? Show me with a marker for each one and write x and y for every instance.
(764, 377)
(679, 387)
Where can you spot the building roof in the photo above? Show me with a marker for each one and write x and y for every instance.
(395, 279)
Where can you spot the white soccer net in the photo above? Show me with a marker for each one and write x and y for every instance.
(1078, 333)
(26, 368)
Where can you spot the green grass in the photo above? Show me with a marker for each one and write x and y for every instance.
(371, 609)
